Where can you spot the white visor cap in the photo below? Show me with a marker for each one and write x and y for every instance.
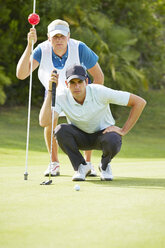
(58, 29)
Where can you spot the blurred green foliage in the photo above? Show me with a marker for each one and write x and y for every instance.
(127, 35)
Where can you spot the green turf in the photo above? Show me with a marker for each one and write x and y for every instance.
(128, 212)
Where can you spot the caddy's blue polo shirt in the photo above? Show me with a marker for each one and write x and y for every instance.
(87, 57)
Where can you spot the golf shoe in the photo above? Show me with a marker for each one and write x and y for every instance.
(83, 171)
(54, 169)
(93, 172)
(106, 175)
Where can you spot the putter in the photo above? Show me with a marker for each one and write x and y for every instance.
(52, 107)
(33, 19)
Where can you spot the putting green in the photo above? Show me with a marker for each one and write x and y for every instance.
(127, 212)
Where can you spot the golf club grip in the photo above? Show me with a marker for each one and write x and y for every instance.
(53, 94)
(53, 91)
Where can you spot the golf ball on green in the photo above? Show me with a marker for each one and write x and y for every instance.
(77, 187)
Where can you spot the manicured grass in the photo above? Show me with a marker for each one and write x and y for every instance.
(127, 212)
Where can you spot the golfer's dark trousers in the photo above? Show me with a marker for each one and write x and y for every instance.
(71, 140)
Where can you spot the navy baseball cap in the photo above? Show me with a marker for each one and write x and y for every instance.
(77, 71)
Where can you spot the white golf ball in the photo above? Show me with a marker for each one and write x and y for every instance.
(77, 187)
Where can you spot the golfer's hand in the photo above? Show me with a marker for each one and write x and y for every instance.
(53, 79)
(114, 129)
(32, 36)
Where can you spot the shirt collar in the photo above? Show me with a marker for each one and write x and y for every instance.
(65, 56)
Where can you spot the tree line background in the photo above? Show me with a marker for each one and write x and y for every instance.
(127, 35)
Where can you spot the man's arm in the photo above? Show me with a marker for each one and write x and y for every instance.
(23, 66)
(45, 116)
(137, 105)
(97, 74)
(89, 59)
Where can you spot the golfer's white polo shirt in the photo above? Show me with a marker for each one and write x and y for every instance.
(95, 114)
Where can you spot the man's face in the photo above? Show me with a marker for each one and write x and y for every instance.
(78, 89)
(59, 43)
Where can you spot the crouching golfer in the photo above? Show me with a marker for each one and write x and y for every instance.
(92, 126)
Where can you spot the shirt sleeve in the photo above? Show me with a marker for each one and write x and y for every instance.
(58, 108)
(108, 95)
(37, 53)
(87, 57)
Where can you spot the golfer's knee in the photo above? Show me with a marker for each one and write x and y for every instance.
(61, 131)
(112, 142)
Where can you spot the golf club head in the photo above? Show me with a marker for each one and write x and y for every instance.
(46, 182)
